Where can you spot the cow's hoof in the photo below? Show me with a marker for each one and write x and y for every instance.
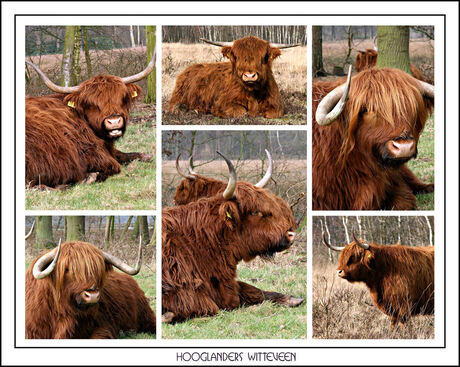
(146, 157)
(167, 317)
(91, 178)
(294, 302)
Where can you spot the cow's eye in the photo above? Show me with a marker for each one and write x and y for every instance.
(265, 59)
(258, 214)
(350, 259)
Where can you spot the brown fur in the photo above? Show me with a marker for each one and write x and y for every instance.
(53, 313)
(190, 190)
(400, 278)
(218, 88)
(368, 59)
(351, 169)
(204, 241)
(65, 144)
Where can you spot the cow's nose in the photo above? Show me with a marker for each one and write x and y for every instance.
(90, 296)
(290, 236)
(339, 272)
(250, 76)
(401, 149)
(114, 122)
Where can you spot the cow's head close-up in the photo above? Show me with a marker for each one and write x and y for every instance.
(103, 101)
(255, 222)
(251, 59)
(76, 272)
(381, 113)
(356, 260)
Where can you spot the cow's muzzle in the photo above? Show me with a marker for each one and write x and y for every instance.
(88, 297)
(250, 77)
(340, 273)
(402, 149)
(114, 126)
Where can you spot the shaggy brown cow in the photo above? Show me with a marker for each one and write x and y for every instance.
(73, 292)
(245, 85)
(359, 161)
(204, 241)
(70, 135)
(400, 278)
(368, 59)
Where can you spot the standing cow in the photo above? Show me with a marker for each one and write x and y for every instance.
(203, 242)
(400, 278)
(364, 132)
(245, 85)
(70, 135)
(72, 292)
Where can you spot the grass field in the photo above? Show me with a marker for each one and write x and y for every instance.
(133, 188)
(285, 274)
(342, 310)
(423, 165)
(289, 71)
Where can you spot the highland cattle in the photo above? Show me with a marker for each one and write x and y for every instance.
(73, 292)
(243, 86)
(365, 129)
(70, 135)
(400, 278)
(203, 242)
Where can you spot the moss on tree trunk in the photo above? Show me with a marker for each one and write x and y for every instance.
(393, 47)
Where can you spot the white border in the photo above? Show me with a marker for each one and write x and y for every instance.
(167, 356)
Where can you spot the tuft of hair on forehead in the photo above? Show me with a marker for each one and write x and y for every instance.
(81, 263)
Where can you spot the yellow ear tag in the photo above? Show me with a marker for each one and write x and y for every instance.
(71, 104)
(228, 214)
(134, 94)
(369, 255)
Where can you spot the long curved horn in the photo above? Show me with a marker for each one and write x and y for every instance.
(285, 45)
(50, 84)
(365, 246)
(115, 261)
(190, 170)
(426, 89)
(329, 109)
(182, 173)
(30, 232)
(269, 172)
(231, 186)
(335, 248)
(46, 264)
(374, 41)
(143, 74)
(220, 44)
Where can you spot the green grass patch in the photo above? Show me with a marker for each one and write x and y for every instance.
(423, 165)
(132, 189)
(285, 274)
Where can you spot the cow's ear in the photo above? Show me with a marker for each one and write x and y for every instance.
(274, 53)
(227, 52)
(369, 259)
(72, 100)
(228, 212)
(134, 91)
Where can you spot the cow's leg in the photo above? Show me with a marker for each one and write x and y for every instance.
(102, 333)
(414, 183)
(227, 109)
(250, 295)
(124, 158)
(401, 198)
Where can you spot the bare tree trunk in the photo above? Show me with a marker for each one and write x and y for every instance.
(44, 232)
(66, 67)
(317, 50)
(150, 96)
(89, 69)
(393, 44)
(75, 228)
(131, 36)
(125, 229)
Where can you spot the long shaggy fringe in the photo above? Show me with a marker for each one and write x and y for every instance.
(51, 309)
